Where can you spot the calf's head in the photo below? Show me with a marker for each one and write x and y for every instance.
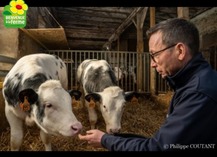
(112, 102)
(51, 108)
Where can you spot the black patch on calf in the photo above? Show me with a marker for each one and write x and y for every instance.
(112, 76)
(61, 65)
(11, 90)
(19, 76)
(60, 61)
(40, 111)
(57, 57)
(98, 79)
(35, 81)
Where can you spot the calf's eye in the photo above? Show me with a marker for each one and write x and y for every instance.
(48, 105)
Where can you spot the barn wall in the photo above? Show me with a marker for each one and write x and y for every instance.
(207, 25)
(123, 45)
(9, 39)
(27, 45)
(14, 43)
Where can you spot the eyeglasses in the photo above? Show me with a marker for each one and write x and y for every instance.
(152, 55)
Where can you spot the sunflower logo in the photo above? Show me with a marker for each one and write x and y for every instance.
(15, 14)
(15, 7)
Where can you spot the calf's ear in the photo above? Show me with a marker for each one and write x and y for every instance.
(132, 97)
(93, 96)
(28, 94)
(75, 93)
(129, 95)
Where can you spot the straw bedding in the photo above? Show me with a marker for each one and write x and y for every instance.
(144, 119)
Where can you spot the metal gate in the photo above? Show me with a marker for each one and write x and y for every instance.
(125, 61)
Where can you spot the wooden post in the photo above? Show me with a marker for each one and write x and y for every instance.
(140, 49)
(140, 18)
(183, 12)
(153, 75)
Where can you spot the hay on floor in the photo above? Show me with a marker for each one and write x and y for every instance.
(144, 119)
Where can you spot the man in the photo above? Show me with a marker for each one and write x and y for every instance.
(192, 117)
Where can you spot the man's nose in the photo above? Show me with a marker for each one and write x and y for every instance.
(153, 64)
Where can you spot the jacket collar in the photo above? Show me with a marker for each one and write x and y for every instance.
(184, 74)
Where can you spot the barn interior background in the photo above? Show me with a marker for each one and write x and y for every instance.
(116, 34)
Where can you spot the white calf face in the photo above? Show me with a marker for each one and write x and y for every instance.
(112, 107)
(54, 112)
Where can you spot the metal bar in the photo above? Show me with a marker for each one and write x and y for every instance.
(5, 59)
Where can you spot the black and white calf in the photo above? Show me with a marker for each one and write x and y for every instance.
(35, 91)
(100, 87)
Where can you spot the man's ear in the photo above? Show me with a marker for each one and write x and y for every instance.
(181, 51)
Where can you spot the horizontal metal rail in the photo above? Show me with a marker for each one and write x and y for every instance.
(7, 60)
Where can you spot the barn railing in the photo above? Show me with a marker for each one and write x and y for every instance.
(124, 60)
(3, 72)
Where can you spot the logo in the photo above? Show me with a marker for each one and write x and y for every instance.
(15, 14)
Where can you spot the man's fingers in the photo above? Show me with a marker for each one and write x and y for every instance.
(82, 137)
(89, 132)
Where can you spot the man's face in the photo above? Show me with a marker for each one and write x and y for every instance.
(165, 61)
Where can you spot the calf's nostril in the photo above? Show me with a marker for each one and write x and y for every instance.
(76, 127)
